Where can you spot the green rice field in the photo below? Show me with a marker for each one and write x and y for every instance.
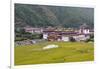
(66, 52)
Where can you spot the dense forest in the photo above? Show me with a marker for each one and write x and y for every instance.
(44, 16)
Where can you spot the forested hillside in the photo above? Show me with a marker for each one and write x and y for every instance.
(43, 16)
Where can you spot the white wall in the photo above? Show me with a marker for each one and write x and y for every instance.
(86, 31)
(65, 38)
(45, 35)
(81, 37)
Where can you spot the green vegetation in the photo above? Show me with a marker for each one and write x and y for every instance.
(21, 35)
(91, 39)
(30, 36)
(66, 52)
(44, 16)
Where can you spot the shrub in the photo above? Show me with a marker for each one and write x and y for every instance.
(72, 39)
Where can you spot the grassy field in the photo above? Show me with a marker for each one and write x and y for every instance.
(66, 52)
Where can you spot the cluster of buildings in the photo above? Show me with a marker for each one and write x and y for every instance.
(52, 34)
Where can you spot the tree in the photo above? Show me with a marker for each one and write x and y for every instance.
(72, 39)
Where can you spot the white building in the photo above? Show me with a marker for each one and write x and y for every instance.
(33, 30)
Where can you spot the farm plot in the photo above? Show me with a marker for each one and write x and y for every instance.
(65, 52)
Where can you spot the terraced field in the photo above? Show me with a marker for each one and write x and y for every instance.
(66, 52)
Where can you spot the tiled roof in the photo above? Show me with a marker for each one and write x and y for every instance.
(65, 32)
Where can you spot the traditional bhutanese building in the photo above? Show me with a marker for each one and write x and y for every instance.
(33, 30)
(79, 35)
